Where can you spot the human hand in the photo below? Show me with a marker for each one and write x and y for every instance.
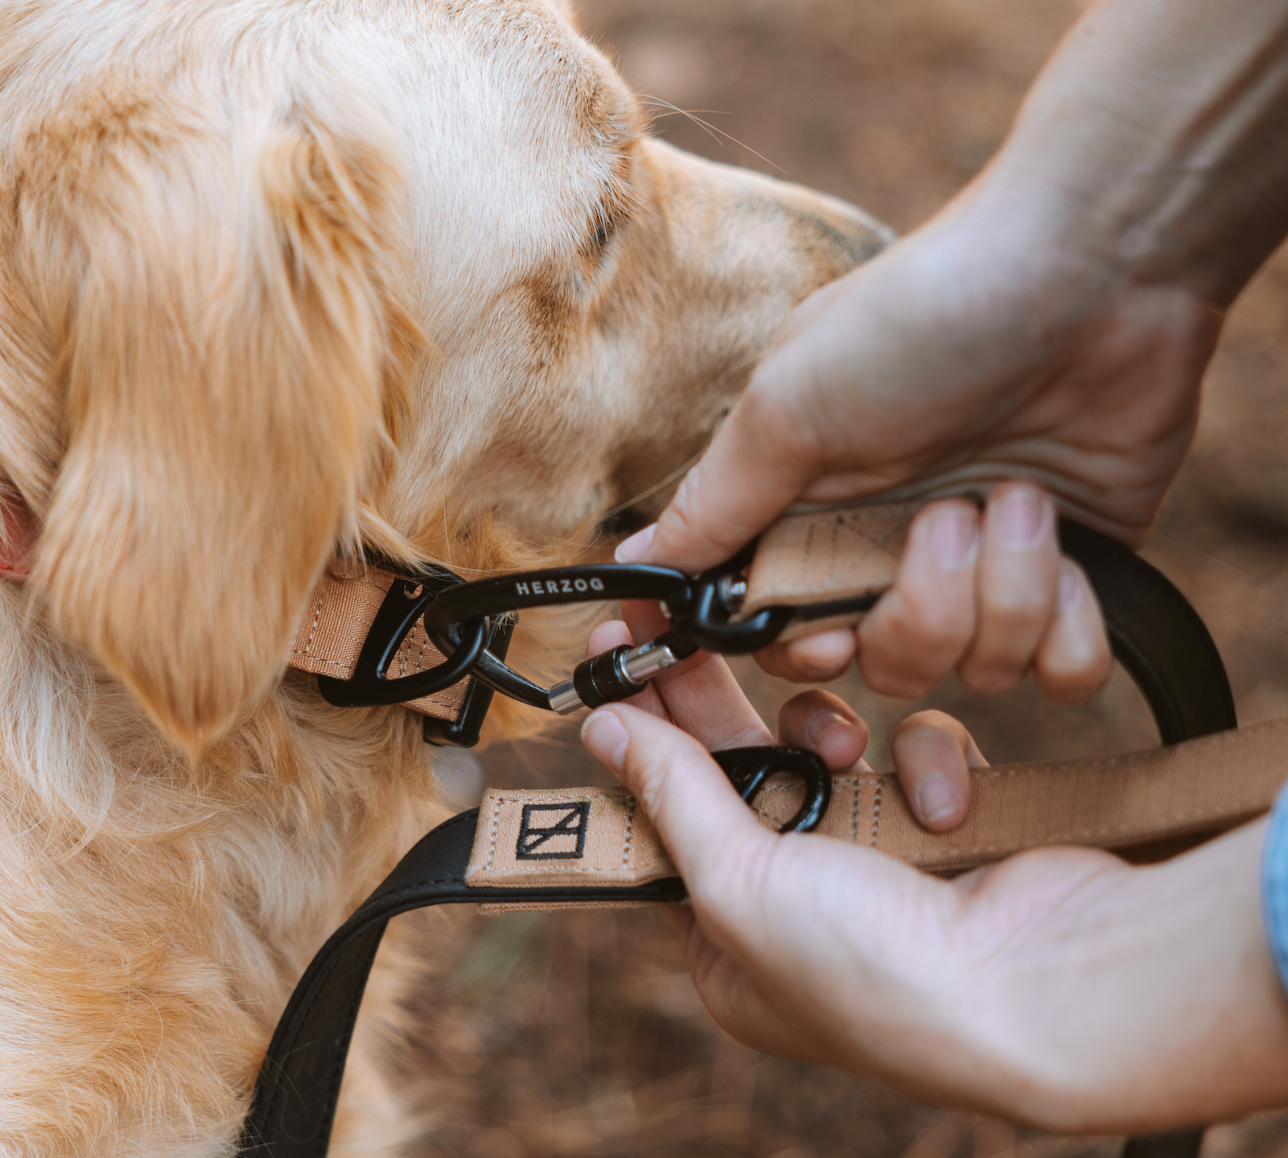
(954, 360)
(987, 595)
(932, 752)
(1052, 323)
(1060, 988)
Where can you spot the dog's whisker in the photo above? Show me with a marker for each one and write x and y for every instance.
(711, 129)
(679, 472)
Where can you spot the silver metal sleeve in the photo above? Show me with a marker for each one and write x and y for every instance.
(635, 667)
(564, 698)
(644, 662)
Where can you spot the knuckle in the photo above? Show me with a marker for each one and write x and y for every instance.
(927, 720)
(933, 621)
(1020, 604)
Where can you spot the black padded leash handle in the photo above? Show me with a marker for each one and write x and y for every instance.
(1154, 633)
(1157, 636)
(295, 1095)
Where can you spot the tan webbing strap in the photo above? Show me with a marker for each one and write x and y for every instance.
(332, 632)
(830, 554)
(599, 836)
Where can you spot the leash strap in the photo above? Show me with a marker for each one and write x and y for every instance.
(1127, 801)
(837, 553)
(590, 847)
(584, 848)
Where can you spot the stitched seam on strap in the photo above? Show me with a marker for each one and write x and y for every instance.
(1103, 762)
(540, 797)
(496, 824)
(854, 817)
(805, 553)
(876, 813)
(516, 871)
(630, 828)
(319, 659)
(317, 618)
(833, 551)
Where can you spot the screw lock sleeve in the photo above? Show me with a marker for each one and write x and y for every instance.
(601, 680)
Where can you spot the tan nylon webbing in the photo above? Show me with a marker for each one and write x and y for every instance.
(332, 632)
(599, 836)
(834, 554)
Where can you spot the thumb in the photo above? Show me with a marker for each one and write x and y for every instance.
(758, 463)
(703, 822)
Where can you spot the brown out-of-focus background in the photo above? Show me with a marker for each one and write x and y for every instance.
(579, 1035)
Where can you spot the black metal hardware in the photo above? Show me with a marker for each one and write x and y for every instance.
(717, 598)
(701, 613)
(558, 585)
(404, 603)
(749, 769)
(463, 732)
(601, 680)
(711, 629)
(471, 622)
(584, 584)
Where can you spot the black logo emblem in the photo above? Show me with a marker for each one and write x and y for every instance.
(553, 831)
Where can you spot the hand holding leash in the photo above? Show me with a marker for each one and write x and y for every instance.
(1004, 990)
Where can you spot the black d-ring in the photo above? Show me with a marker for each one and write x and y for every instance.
(404, 603)
(710, 627)
(749, 768)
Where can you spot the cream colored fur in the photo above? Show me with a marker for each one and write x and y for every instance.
(280, 280)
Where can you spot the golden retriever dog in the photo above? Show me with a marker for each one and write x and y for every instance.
(284, 282)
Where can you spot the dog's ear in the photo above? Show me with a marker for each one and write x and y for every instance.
(234, 363)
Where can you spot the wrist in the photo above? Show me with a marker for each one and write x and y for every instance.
(1153, 139)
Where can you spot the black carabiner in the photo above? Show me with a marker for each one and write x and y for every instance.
(710, 628)
(452, 611)
(749, 768)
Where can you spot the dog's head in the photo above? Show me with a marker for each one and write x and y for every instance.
(279, 280)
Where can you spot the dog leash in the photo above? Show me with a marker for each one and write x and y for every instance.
(437, 645)
(593, 847)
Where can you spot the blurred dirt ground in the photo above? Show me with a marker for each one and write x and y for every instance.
(579, 1035)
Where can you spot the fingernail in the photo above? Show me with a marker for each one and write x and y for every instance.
(953, 536)
(1071, 588)
(820, 723)
(604, 735)
(1022, 519)
(935, 799)
(632, 550)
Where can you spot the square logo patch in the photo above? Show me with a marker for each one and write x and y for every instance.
(553, 831)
